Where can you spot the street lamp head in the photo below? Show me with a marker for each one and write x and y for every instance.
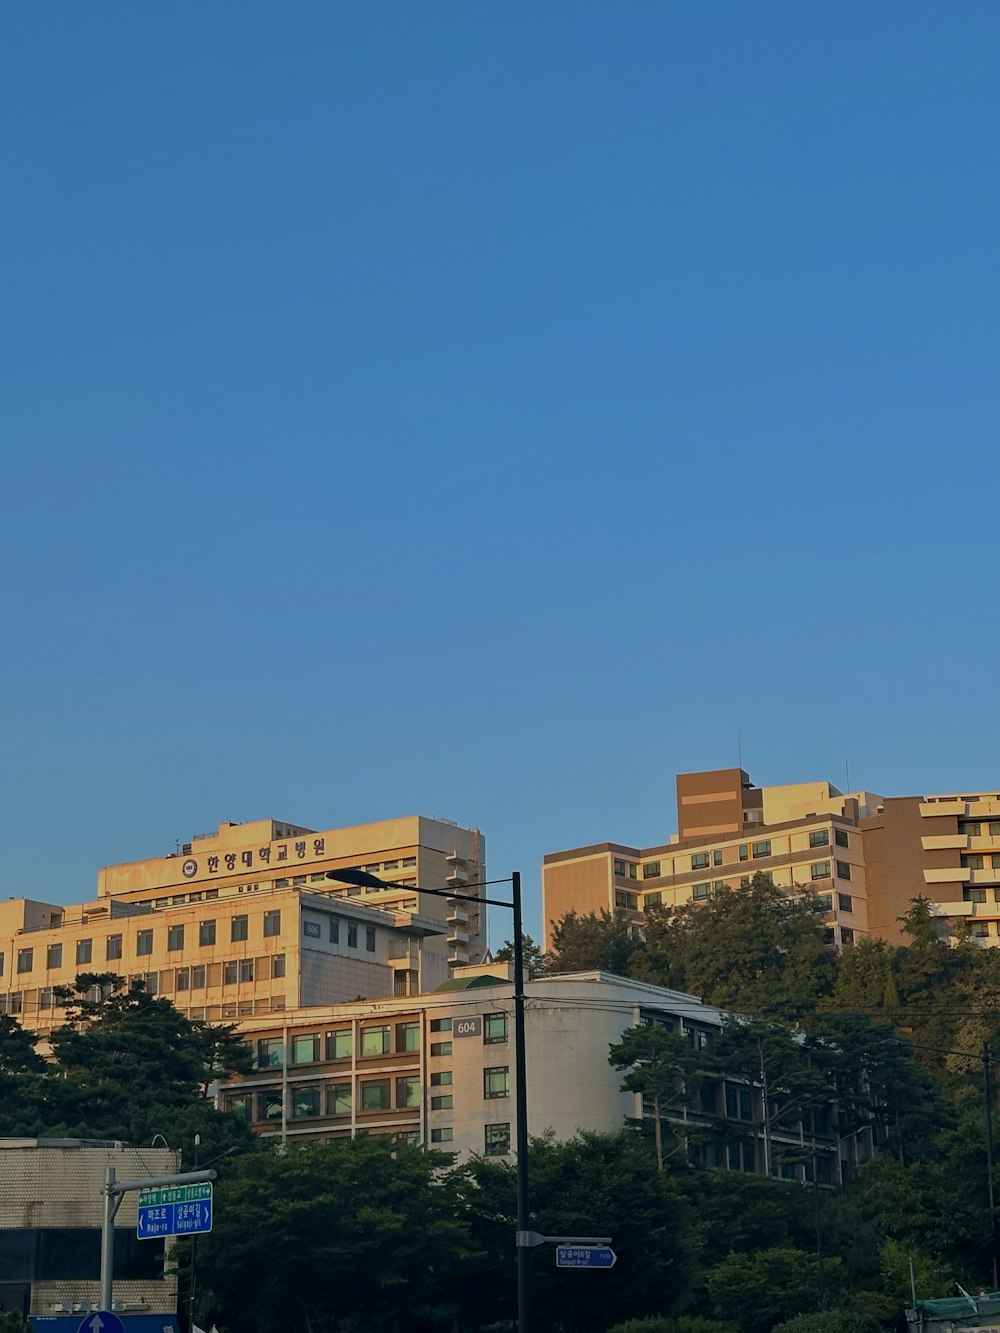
(355, 875)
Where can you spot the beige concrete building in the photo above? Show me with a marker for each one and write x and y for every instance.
(244, 921)
(439, 1070)
(806, 835)
(51, 1211)
(945, 848)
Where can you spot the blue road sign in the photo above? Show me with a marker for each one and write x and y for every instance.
(184, 1210)
(585, 1256)
(101, 1321)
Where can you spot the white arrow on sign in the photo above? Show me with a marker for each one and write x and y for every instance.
(96, 1323)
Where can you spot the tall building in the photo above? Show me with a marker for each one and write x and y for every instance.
(244, 921)
(945, 848)
(807, 834)
(867, 857)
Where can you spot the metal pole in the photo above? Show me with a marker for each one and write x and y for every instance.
(521, 1116)
(194, 1248)
(988, 1097)
(108, 1239)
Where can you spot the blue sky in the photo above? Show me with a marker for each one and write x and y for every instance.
(488, 411)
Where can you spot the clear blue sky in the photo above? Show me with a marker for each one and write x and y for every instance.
(489, 410)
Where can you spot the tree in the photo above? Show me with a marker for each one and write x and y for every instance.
(605, 943)
(754, 951)
(131, 1066)
(534, 958)
(775, 1062)
(335, 1238)
(757, 1291)
(661, 1066)
(17, 1048)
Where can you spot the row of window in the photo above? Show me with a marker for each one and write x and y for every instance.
(239, 930)
(372, 1040)
(978, 895)
(824, 901)
(977, 861)
(313, 930)
(756, 850)
(973, 828)
(308, 1100)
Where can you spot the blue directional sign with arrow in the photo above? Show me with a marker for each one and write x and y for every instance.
(101, 1321)
(585, 1256)
(175, 1210)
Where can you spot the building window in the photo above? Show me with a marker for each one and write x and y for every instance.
(843, 870)
(494, 1028)
(744, 852)
(840, 837)
(407, 1037)
(846, 935)
(619, 867)
(819, 837)
(651, 870)
(446, 1102)
(278, 966)
(973, 895)
(717, 857)
(762, 848)
(338, 1099)
(370, 939)
(270, 1052)
(652, 899)
(700, 891)
(442, 1079)
(175, 938)
(1, 964)
(820, 870)
(971, 828)
(305, 1050)
(114, 947)
(824, 902)
(198, 977)
(440, 1024)
(496, 1082)
(206, 933)
(305, 1102)
(241, 1104)
(182, 979)
(272, 924)
(143, 942)
(979, 929)
(334, 930)
(375, 1095)
(407, 1092)
(85, 949)
(829, 935)
(239, 929)
(739, 1103)
(440, 1048)
(845, 902)
(699, 861)
(25, 960)
(497, 1143)
(352, 935)
(246, 969)
(375, 1041)
(230, 973)
(53, 955)
(339, 1045)
(442, 1135)
(626, 900)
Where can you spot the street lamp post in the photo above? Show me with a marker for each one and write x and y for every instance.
(363, 879)
(984, 1055)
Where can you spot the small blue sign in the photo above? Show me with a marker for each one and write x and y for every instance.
(585, 1256)
(101, 1321)
(188, 1218)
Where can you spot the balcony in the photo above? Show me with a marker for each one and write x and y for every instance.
(948, 875)
(457, 916)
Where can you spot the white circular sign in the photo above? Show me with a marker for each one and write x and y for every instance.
(189, 868)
